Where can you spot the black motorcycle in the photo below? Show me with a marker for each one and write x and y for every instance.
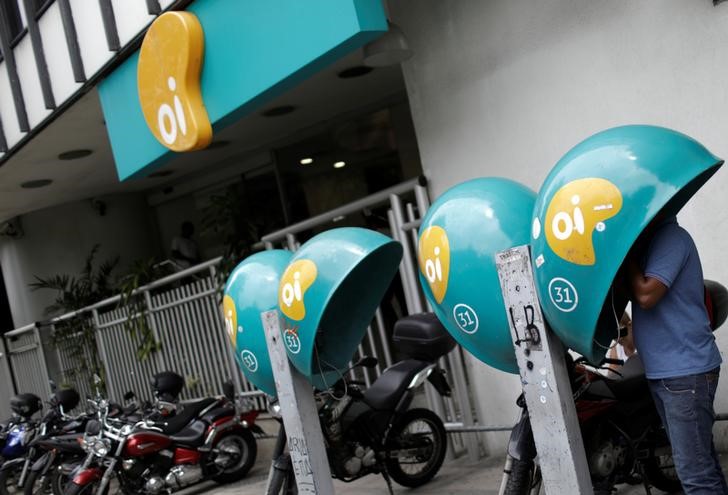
(15, 472)
(373, 431)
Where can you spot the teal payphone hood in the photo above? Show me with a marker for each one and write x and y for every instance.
(328, 295)
(589, 212)
(251, 289)
(459, 237)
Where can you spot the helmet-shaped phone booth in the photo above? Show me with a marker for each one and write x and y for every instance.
(591, 209)
(328, 295)
(251, 289)
(458, 239)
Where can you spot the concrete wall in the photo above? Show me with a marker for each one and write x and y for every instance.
(506, 87)
(57, 240)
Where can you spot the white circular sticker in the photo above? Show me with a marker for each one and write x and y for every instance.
(563, 294)
(293, 343)
(536, 228)
(466, 318)
(249, 360)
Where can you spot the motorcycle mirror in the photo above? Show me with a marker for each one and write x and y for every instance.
(97, 379)
(129, 395)
(367, 362)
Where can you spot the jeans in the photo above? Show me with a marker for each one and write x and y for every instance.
(685, 405)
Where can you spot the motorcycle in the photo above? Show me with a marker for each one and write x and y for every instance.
(623, 435)
(208, 439)
(373, 431)
(21, 448)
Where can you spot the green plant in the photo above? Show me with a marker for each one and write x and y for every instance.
(142, 272)
(76, 335)
(223, 218)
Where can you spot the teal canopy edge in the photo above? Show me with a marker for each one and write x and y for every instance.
(261, 48)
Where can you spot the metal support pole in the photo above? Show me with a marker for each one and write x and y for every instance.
(291, 242)
(300, 416)
(544, 378)
(102, 354)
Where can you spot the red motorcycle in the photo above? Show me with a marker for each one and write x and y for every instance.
(206, 440)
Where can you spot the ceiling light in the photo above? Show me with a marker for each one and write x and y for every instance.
(160, 173)
(389, 49)
(278, 111)
(74, 154)
(35, 184)
(357, 71)
(306, 161)
(339, 164)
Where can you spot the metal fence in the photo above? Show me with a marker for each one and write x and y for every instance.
(183, 313)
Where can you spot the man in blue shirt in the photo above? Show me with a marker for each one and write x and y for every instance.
(673, 336)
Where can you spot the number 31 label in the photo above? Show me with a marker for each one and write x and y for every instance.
(466, 318)
(563, 294)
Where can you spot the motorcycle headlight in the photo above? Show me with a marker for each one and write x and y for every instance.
(99, 447)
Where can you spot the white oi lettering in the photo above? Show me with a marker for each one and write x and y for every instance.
(229, 323)
(569, 223)
(168, 119)
(292, 292)
(433, 269)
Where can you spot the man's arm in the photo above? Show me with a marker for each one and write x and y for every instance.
(646, 291)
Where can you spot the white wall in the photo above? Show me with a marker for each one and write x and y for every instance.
(506, 87)
(57, 240)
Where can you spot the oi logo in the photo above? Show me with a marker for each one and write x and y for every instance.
(168, 80)
(574, 213)
(295, 281)
(433, 254)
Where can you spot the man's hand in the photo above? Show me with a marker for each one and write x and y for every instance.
(646, 291)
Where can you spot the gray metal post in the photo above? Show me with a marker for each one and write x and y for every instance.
(300, 416)
(544, 378)
(110, 389)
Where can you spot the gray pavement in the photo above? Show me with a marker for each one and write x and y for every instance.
(457, 477)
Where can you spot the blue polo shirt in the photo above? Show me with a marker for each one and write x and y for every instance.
(674, 337)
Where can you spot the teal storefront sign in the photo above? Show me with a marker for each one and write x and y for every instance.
(254, 50)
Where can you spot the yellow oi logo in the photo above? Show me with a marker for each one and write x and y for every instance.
(295, 281)
(575, 212)
(168, 80)
(434, 259)
(231, 318)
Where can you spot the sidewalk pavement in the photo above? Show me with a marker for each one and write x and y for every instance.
(457, 477)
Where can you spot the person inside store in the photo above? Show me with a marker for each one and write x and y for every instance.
(184, 248)
(672, 334)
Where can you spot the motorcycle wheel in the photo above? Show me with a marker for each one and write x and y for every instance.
(520, 479)
(9, 482)
(244, 442)
(660, 472)
(54, 482)
(413, 428)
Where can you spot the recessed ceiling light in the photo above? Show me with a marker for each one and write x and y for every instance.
(306, 161)
(35, 184)
(339, 164)
(74, 154)
(217, 144)
(160, 173)
(278, 111)
(357, 71)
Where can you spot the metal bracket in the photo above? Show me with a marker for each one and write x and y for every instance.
(300, 416)
(544, 378)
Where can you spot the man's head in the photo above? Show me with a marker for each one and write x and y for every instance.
(187, 229)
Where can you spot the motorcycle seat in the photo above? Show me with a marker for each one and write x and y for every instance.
(632, 385)
(182, 419)
(386, 391)
(192, 435)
